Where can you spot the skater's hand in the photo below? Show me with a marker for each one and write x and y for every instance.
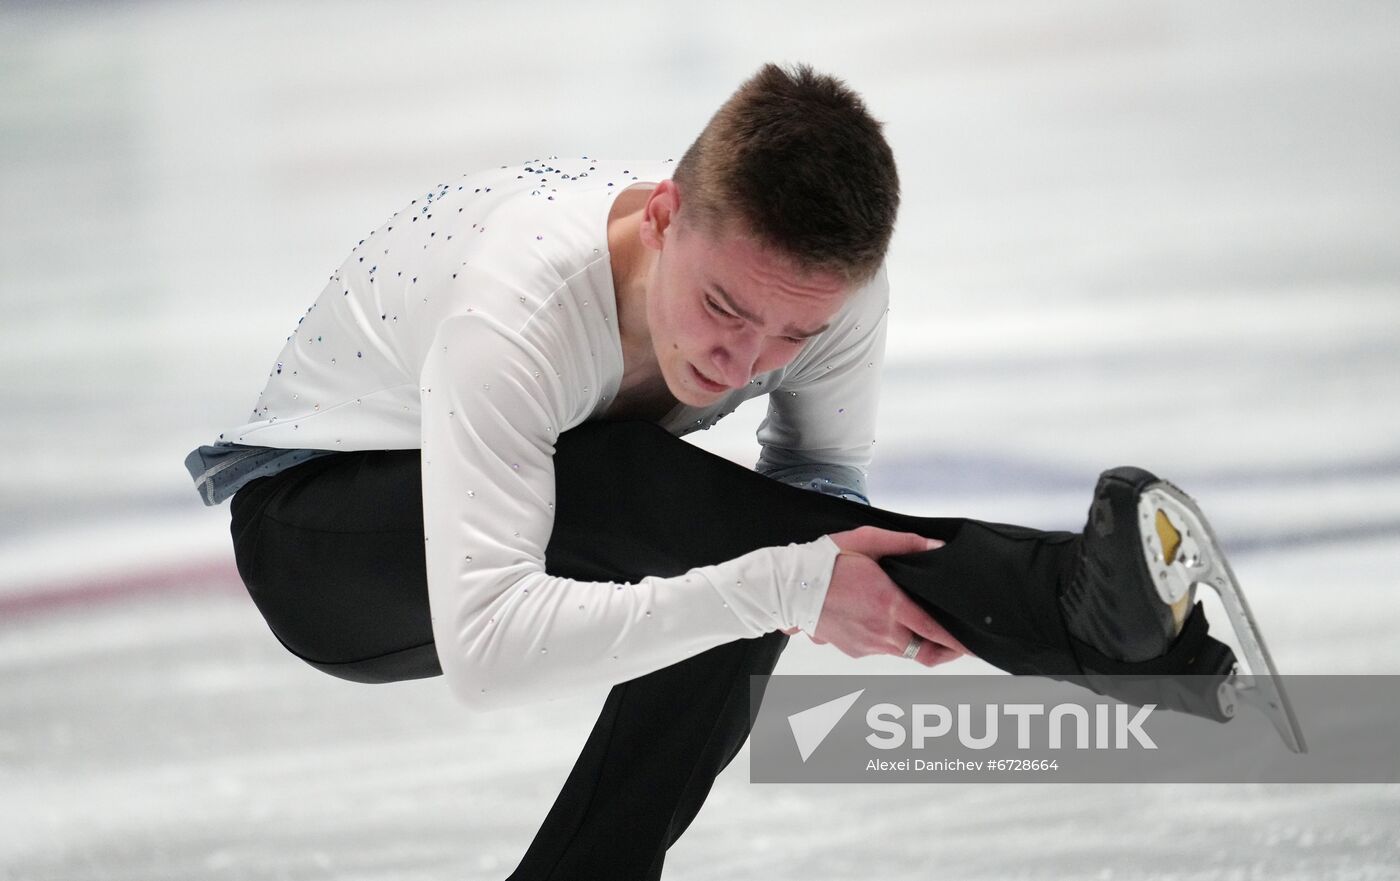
(866, 613)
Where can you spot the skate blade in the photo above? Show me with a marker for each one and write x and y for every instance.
(1186, 553)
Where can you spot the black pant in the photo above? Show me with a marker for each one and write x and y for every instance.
(332, 554)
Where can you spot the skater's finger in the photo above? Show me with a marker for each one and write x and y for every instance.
(875, 543)
(931, 655)
(913, 616)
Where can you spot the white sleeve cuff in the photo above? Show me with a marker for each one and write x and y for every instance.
(776, 587)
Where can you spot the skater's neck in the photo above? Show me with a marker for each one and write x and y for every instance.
(632, 264)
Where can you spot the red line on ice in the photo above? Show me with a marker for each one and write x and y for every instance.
(205, 575)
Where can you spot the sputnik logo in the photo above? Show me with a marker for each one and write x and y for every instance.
(810, 727)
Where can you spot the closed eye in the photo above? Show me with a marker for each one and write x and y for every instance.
(716, 308)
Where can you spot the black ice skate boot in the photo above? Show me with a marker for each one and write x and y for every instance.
(1129, 604)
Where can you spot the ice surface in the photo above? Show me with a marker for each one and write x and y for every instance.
(1159, 234)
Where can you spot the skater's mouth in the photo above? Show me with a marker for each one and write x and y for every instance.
(705, 382)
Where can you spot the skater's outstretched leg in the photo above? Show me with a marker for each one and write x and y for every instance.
(1095, 608)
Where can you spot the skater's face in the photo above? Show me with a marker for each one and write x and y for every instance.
(721, 308)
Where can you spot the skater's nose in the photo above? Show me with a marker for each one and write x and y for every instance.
(735, 357)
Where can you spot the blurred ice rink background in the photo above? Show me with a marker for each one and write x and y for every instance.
(1161, 234)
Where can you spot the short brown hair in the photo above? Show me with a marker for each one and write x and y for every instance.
(795, 157)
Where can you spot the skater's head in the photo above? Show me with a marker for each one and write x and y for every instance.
(782, 207)
(795, 161)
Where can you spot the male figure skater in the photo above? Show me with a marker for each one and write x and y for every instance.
(465, 463)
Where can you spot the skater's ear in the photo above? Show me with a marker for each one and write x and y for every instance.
(660, 213)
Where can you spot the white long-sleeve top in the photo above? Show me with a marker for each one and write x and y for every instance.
(480, 322)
